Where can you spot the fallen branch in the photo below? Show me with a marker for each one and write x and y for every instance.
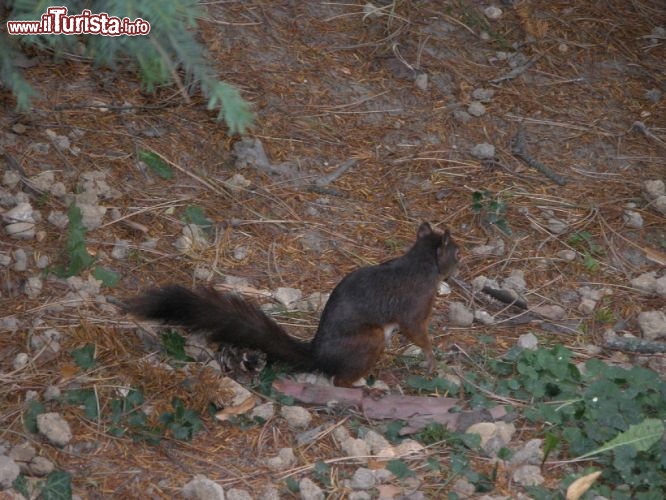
(416, 411)
(630, 344)
(519, 150)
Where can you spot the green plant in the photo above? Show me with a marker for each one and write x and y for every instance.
(183, 422)
(585, 243)
(158, 57)
(78, 258)
(174, 345)
(492, 211)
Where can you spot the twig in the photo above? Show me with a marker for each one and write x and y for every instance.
(517, 71)
(519, 150)
(628, 344)
(326, 180)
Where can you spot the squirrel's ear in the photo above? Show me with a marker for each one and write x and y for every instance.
(424, 230)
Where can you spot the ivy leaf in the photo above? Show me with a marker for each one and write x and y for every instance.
(108, 277)
(85, 356)
(399, 469)
(156, 164)
(58, 486)
(30, 416)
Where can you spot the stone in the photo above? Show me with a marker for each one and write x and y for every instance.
(632, 219)
(33, 287)
(55, 428)
(528, 475)
(363, 479)
(120, 249)
(528, 341)
(296, 416)
(493, 13)
(21, 230)
(238, 494)
(483, 151)
(287, 296)
(9, 471)
(531, 453)
(309, 490)
(475, 108)
(283, 460)
(483, 95)
(652, 324)
(646, 282)
(460, 315)
(202, 488)
(568, 255)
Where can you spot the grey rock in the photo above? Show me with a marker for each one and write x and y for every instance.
(359, 495)
(355, 448)
(58, 219)
(459, 314)
(52, 393)
(461, 116)
(531, 453)
(55, 428)
(283, 460)
(43, 262)
(296, 416)
(587, 305)
(20, 360)
(287, 296)
(654, 189)
(41, 466)
(483, 95)
(5, 260)
(557, 226)
(463, 488)
(484, 317)
(483, 151)
(652, 324)
(120, 249)
(23, 452)
(202, 488)
(494, 435)
(568, 255)
(528, 341)
(22, 212)
(477, 109)
(646, 282)
(43, 181)
(528, 475)
(632, 219)
(33, 287)
(376, 442)
(494, 247)
(363, 479)
(241, 253)
(58, 189)
(20, 260)
(660, 287)
(269, 493)
(237, 494)
(309, 490)
(21, 230)
(92, 215)
(515, 281)
(493, 13)
(10, 179)
(9, 471)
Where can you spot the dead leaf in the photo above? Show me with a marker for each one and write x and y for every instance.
(578, 488)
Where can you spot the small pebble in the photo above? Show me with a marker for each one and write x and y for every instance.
(492, 12)
(477, 109)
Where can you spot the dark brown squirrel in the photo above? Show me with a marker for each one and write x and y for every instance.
(363, 309)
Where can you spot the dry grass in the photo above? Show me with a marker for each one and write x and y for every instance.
(328, 87)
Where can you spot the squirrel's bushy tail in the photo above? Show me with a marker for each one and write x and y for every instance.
(227, 317)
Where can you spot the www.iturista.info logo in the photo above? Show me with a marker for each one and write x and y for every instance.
(56, 22)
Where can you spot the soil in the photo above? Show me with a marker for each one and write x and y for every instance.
(385, 94)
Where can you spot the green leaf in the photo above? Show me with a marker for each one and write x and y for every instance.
(30, 416)
(194, 214)
(156, 164)
(20, 484)
(640, 436)
(58, 486)
(108, 277)
(174, 345)
(399, 469)
(84, 357)
(292, 484)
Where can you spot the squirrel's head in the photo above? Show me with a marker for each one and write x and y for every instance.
(448, 254)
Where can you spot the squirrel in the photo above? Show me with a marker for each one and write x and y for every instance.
(360, 315)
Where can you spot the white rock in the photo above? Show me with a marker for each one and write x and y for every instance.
(296, 416)
(264, 411)
(654, 189)
(661, 286)
(493, 13)
(241, 253)
(9, 471)
(459, 314)
(483, 151)
(202, 488)
(52, 393)
(484, 317)
(652, 324)
(21, 230)
(557, 226)
(528, 341)
(33, 287)
(238, 494)
(5, 260)
(632, 219)
(20, 360)
(568, 255)
(287, 296)
(421, 81)
(120, 249)
(43, 181)
(587, 305)
(309, 490)
(55, 428)
(646, 282)
(376, 442)
(23, 212)
(355, 448)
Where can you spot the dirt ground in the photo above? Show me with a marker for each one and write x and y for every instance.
(393, 97)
